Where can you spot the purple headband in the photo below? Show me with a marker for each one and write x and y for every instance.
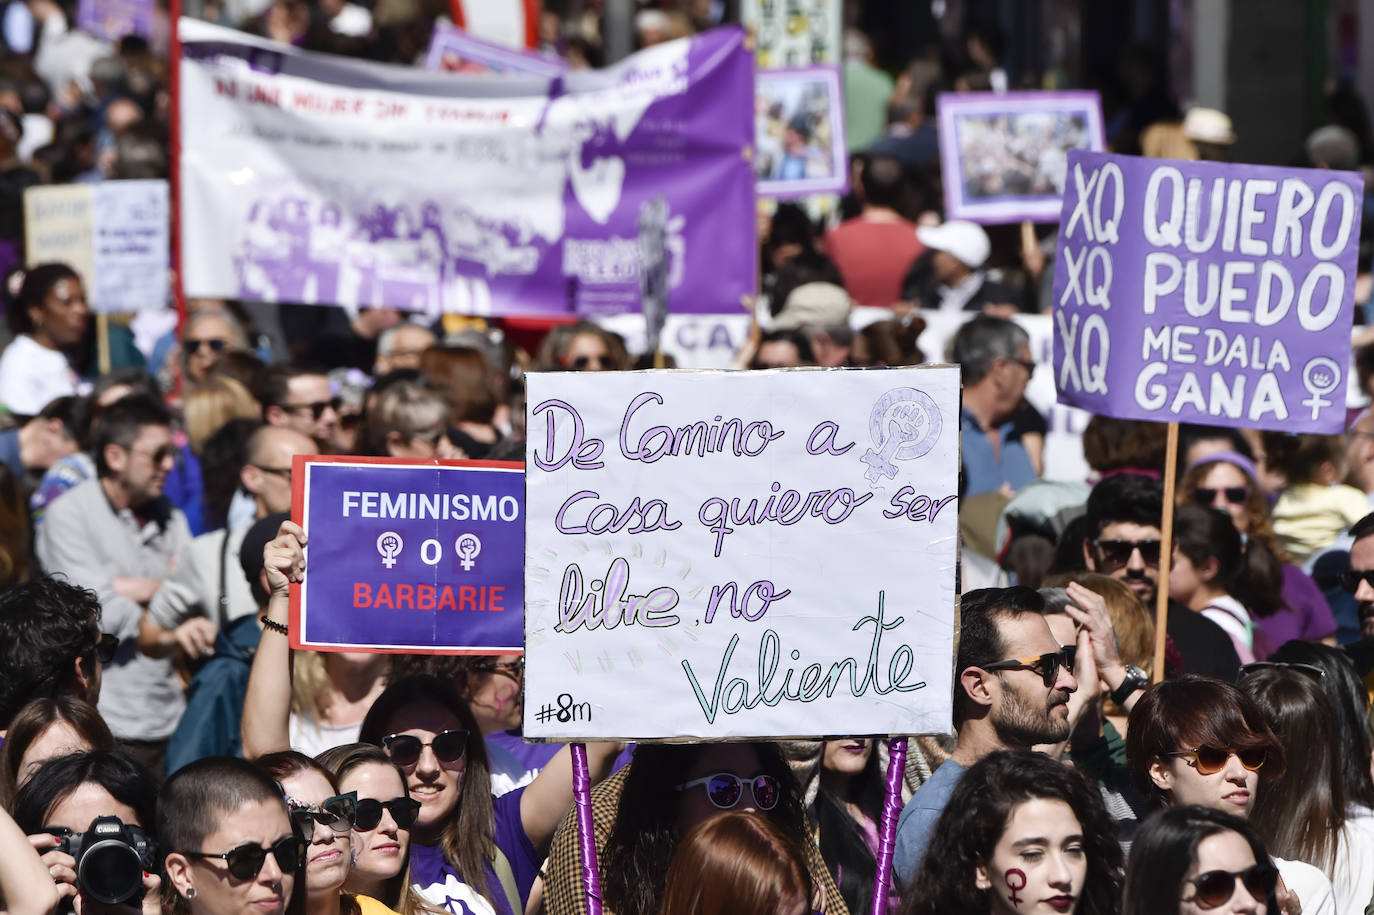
(1230, 457)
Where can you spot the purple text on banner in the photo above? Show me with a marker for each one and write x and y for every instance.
(324, 180)
(1206, 293)
(452, 50)
(407, 557)
(113, 19)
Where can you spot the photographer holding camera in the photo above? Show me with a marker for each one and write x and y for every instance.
(89, 816)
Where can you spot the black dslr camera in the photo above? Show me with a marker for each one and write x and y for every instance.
(110, 859)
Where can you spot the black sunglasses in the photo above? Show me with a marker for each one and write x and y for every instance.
(316, 408)
(245, 862)
(1236, 495)
(1116, 553)
(582, 363)
(106, 647)
(1350, 579)
(1311, 670)
(1046, 665)
(1216, 887)
(404, 810)
(191, 347)
(405, 749)
(337, 813)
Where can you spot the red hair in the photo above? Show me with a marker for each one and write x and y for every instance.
(737, 862)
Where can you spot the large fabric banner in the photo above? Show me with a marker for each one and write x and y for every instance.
(727, 555)
(325, 180)
(409, 556)
(1206, 293)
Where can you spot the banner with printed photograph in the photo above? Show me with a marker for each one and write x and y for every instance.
(324, 180)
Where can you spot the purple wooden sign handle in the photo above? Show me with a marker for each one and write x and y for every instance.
(586, 834)
(887, 830)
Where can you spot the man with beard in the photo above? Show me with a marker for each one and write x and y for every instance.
(1359, 581)
(1012, 686)
(1123, 540)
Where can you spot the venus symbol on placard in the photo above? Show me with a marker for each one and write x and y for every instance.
(904, 424)
(389, 546)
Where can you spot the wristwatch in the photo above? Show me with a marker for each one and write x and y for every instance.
(1135, 679)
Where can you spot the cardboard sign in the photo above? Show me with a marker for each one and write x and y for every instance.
(114, 234)
(796, 33)
(800, 133)
(732, 555)
(1004, 156)
(409, 556)
(1206, 293)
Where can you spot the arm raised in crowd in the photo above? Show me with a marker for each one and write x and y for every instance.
(549, 797)
(267, 704)
(25, 884)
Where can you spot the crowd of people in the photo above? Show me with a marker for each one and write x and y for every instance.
(165, 751)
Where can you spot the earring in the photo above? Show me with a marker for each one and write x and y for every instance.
(190, 892)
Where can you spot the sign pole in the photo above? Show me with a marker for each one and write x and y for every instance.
(887, 836)
(174, 163)
(586, 833)
(1166, 552)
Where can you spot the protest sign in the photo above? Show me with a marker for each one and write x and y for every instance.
(324, 180)
(800, 133)
(409, 556)
(114, 234)
(452, 50)
(795, 34)
(1004, 155)
(513, 23)
(725, 555)
(1208, 293)
(113, 19)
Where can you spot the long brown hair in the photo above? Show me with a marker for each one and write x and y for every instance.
(29, 723)
(1300, 814)
(469, 837)
(461, 374)
(737, 862)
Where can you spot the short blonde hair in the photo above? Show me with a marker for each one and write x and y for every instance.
(212, 402)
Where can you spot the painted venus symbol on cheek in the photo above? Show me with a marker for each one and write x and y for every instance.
(1009, 876)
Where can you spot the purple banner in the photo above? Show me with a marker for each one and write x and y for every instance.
(1206, 293)
(113, 19)
(424, 557)
(452, 50)
(323, 180)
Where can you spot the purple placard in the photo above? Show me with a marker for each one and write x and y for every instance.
(1004, 156)
(410, 556)
(500, 195)
(1206, 293)
(113, 19)
(799, 132)
(452, 50)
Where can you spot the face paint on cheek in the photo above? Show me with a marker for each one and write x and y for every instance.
(1016, 880)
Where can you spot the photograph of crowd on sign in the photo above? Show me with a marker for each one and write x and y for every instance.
(1005, 157)
(799, 122)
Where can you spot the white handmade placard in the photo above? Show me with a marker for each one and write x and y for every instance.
(732, 555)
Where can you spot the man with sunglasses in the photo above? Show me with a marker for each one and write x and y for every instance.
(119, 535)
(1122, 538)
(1013, 681)
(299, 397)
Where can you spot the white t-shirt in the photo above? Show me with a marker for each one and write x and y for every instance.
(312, 738)
(1310, 885)
(33, 376)
(1352, 877)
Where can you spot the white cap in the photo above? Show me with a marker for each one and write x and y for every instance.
(1207, 125)
(959, 237)
(813, 303)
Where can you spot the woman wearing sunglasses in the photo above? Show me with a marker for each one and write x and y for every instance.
(468, 852)
(1283, 599)
(1022, 833)
(1199, 741)
(1303, 812)
(641, 813)
(384, 814)
(1190, 860)
(324, 818)
(229, 845)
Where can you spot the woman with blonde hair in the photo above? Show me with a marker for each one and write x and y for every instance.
(410, 420)
(212, 402)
